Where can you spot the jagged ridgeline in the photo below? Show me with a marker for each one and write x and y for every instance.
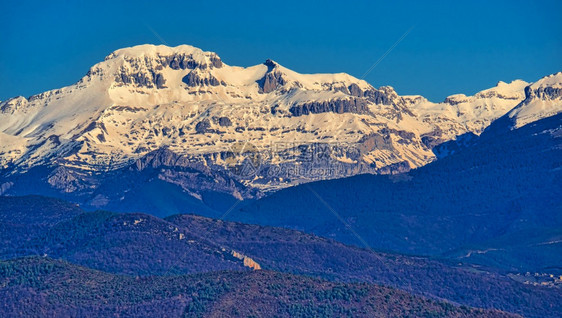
(180, 119)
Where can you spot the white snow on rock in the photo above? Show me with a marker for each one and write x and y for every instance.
(143, 98)
(542, 99)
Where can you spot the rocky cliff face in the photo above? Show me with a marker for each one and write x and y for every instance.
(272, 79)
(145, 71)
(248, 262)
(339, 106)
(542, 99)
(194, 78)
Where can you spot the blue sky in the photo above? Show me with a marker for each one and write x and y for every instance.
(453, 46)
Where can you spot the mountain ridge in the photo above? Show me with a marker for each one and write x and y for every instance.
(142, 246)
(258, 129)
(32, 287)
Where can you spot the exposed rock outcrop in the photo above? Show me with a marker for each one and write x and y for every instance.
(272, 79)
(456, 99)
(144, 78)
(64, 180)
(13, 104)
(145, 71)
(248, 262)
(542, 92)
(196, 79)
(351, 105)
(203, 126)
(224, 122)
(215, 60)
(159, 158)
(384, 95)
(355, 90)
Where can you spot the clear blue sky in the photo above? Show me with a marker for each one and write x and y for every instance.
(454, 47)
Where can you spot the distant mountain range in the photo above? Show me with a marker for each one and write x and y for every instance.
(180, 118)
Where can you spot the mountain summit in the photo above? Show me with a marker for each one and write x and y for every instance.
(251, 129)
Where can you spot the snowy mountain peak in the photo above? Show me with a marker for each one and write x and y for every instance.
(149, 75)
(13, 104)
(504, 90)
(155, 50)
(552, 80)
(182, 56)
(542, 99)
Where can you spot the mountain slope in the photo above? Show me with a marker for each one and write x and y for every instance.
(256, 129)
(296, 252)
(133, 243)
(542, 99)
(32, 287)
(495, 202)
(141, 245)
(22, 219)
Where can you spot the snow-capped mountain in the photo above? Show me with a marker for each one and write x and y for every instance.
(461, 114)
(261, 127)
(143, 98)
(542, 99)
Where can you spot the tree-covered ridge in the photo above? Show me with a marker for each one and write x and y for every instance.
(43, 287)
(142, 245)
(22, 219)
(296, 252)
